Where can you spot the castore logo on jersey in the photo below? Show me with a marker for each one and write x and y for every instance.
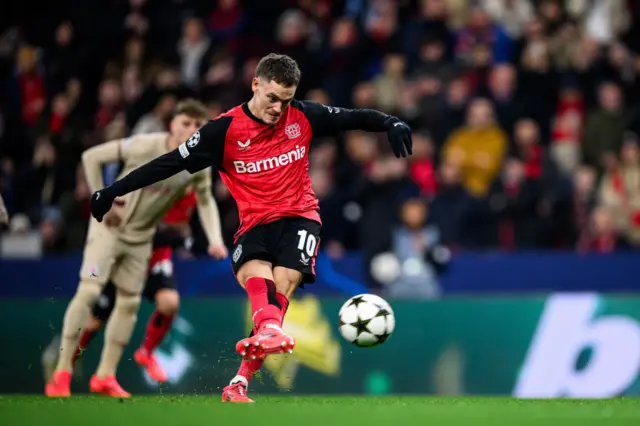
(244, 145)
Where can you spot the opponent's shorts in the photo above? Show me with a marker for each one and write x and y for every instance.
(155, 282)
(290, 242)
(108, 258)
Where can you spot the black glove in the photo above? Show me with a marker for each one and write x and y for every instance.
(101, 203)
(399, 134)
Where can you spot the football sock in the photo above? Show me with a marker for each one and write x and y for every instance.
(83, 343)
(75, 320)
(265, 308)
(158, 326)
(249, 367)
(284, 305)
(118, 332)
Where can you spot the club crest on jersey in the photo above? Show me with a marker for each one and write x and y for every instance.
(293, 130)
(194, 139)
(237, 253)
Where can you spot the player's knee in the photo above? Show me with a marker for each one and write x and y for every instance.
(286, 280)
(127, 303)
(254, 268)
(88, 292)
(168, 302)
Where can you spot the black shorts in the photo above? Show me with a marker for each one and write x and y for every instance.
(290, 242)
(155, 282)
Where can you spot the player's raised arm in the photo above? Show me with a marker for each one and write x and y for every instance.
(329, 121)
(204, 149)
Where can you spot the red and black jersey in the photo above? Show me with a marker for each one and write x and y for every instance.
(181, 211)
(265, 167)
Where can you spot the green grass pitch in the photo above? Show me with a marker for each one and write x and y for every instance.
(315, 411)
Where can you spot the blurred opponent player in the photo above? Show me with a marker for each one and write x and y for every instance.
(159, 289)
(4, 215)
(260, 149)
(119, 248)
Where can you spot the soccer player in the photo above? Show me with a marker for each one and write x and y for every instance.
(260, 149)
(119, 248)
(160, 289)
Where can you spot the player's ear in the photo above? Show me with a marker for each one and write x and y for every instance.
(254, 84)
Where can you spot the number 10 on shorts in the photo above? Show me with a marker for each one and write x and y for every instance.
(307, 242)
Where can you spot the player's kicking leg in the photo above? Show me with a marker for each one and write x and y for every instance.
(161, 289)
(295, 256)
(257, 278)
(237, 389)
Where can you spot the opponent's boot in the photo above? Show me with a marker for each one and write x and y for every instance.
(151, 364)
(59, 385)
(107, 386)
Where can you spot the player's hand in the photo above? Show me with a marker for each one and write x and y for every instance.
(101, 203)
(399, 134)
(112, 219)
(218, 251)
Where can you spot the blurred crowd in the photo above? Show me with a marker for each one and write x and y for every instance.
(525, 136)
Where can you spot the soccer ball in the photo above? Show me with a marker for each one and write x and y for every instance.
(366, 320)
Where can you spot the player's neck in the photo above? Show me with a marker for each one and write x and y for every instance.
(251, 105)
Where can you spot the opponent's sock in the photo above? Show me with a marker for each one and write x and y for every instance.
(265, 308)
(83, 343)
(158, 327)
(118, 332)
(75, 319)
(249, 367)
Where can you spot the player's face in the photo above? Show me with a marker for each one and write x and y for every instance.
(271, 99)
(183, 126)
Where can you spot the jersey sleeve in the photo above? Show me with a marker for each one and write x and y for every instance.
(330, 121)
(205, 148)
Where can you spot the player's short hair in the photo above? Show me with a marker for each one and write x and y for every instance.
(192, 108)
(279, 68)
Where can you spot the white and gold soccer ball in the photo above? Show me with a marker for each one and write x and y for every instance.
(366, 320)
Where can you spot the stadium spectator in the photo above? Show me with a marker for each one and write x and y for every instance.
(620, 190)
(523, 101)
(478, 148)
